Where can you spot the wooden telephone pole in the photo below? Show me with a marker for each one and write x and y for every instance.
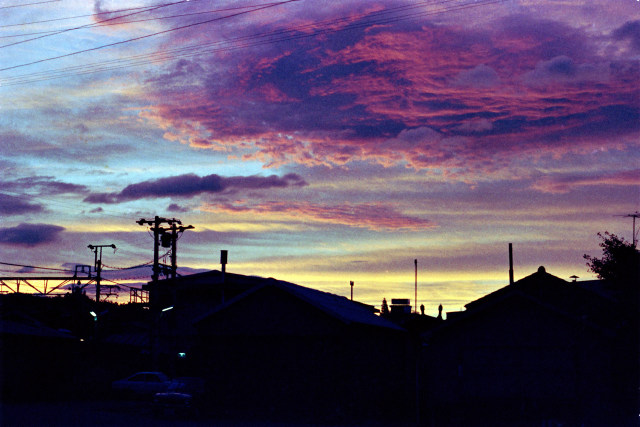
(97, 250)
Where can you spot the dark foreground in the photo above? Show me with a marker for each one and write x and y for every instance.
(118, 413)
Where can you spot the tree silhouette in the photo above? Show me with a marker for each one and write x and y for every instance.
(385, 308)
(619, 262)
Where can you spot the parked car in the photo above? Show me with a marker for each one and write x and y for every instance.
(143, 384)
(174, 403)
(190, 385)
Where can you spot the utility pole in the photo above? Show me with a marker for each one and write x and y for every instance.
(168, 240)
(97, 250)
(168, 237)
(351, 284)
(175, 229)
(634, 216)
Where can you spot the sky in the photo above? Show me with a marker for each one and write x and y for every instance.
(321, 142)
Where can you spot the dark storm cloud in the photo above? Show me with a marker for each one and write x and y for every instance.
(191, 185)
(30, 234)
(12, 205)
(629, 31)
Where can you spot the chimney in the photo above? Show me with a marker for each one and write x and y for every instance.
(415, 263)
(223, 260)
(223, 263)
(510, 263)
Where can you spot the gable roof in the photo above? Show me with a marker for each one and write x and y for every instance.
(338, 307)
(540, 284)
(551, 293)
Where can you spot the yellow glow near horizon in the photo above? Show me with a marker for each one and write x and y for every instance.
(104, 227)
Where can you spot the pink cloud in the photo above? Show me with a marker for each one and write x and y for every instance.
(488, 96)
(565, 183)
(375, 216)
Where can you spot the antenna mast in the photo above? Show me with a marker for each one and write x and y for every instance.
(634, 215)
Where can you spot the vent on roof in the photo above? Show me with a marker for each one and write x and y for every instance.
(401, 305)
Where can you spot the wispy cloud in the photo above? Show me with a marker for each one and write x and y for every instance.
(563, 183)
(375, 216)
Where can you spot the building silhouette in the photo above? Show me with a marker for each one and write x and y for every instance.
(540, 351)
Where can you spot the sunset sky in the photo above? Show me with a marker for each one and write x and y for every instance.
(322, 142)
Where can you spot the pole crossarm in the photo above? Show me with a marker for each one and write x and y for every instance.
(97, 250)
(167, 236)
(45, 279)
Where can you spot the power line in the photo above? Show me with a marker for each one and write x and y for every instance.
(81, 16)
(36, 267)
(289, 34)
(104, 23)
(182, 27)
(276, 36)
(29, 4)
(92, 24)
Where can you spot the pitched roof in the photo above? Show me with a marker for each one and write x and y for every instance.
(336, 306)
(20, 324)
(552, 293)
(540, 284)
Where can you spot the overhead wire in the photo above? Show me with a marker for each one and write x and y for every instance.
(36, 267)
(276, 36)
(29, 4)
(66, 18)
(193, 50)
(157, 18)
(182, 27)
(93, 24)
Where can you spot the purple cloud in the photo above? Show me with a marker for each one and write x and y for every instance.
(12, 205)
(563, 69)
(30, 234)
(564, 183)
(480, 76)
(189, 185)
(490, 95)
(173, 207)
(48, 185)
(629, 31)
(37, 185)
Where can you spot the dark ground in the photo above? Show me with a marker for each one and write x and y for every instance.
(117, 413)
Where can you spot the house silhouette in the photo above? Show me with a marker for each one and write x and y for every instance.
(541, 351)
(273, 349)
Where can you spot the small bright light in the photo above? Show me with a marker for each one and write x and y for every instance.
(93, 314)
(167, 309)
(182, 355)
